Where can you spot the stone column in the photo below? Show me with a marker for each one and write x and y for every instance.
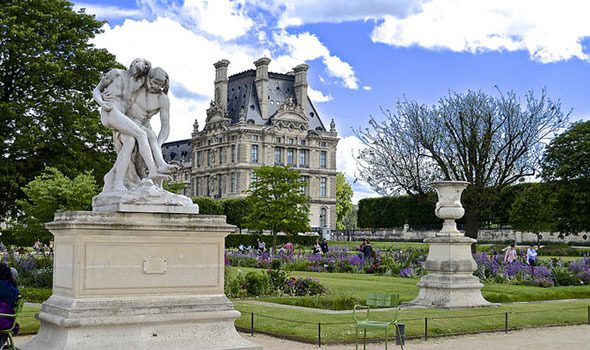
(450, 282)
(220, 83)
(261, 81)
(129, 280)
(300, 84)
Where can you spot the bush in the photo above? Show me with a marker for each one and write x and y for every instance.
(208, 206)
(257, 284)
(562, 276)
(390, 212)
(305, 286)
(33, 270)
(35, 295)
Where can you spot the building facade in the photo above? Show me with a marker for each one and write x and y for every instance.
(261, 118)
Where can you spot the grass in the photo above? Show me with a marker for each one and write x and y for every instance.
(303, 324)
(359, 285)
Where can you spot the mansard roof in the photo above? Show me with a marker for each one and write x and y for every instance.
(179, 151)
(241, 93)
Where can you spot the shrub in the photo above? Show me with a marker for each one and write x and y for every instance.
(562, 276)
(305, 286)
(257, 284)
(35, 295)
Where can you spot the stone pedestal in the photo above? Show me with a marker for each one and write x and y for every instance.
(138, 281)
(450, 282)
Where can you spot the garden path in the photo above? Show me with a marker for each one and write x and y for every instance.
(547, 338)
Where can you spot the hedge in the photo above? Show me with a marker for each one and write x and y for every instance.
(234, 240)
(390, 212)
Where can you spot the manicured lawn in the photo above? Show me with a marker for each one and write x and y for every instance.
(359, 285)
(303, 324)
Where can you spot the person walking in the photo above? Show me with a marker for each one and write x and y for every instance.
(510, 254)
(531, 257)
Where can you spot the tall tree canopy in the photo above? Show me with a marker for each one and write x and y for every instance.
(277, 202)
(486, 140)
(48, 69)
(568, 155)
(566, 168)
(343, 200)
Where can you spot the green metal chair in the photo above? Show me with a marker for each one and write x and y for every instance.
(364, 322)
(9, 345)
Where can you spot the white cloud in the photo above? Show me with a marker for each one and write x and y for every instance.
(307, 47)
(226, 19)
(298, 12)
(348, 148)
(318, 96)
(550, 31)
(105, 11)
(367, 88)
(193, 69)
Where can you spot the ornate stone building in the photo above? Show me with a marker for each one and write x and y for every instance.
(263, 118)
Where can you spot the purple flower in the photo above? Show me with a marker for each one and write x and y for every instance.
(406, 272)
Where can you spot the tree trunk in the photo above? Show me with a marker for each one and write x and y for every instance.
(274, 241)
(472, 223)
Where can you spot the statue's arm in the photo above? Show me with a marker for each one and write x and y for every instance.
(106, 80)
(164, 119)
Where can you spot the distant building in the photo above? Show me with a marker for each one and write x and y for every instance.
(260, 118)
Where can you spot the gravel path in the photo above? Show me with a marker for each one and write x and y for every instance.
(563, 338)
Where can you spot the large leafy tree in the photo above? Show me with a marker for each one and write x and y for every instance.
(48, 68)
(568, 155)
(566, 167)
(490, 141)
(48, 193)
(532, 210)
(343, 200)
(277, 202)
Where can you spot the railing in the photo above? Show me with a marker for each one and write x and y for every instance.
(428, 323)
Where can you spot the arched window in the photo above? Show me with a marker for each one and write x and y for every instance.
(323, 217)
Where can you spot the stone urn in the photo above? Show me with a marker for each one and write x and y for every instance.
(450, 282)
(448, 207)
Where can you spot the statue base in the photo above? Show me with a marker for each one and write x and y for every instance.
(145, 198)
(138, 281)
(450, 282)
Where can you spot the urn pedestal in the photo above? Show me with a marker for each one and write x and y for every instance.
(129, 280)
(450, 282)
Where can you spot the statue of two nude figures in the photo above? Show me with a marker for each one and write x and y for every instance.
(128, 99)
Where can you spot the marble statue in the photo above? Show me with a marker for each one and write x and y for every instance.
(128, 100)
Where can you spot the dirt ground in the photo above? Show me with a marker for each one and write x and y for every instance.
(563, 338)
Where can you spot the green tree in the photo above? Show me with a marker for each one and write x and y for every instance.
(489, 141)
(277, 202)
(174, 186)
(208, 205)
(343, 200)
(47, 194)
(566, 167)
(568, 155)
(532, 210)
(235, 210)
(48, 68)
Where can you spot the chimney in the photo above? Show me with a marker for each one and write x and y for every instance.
(300, 85)
(221, 83)
(261, 82)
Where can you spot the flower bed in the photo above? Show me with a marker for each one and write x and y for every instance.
(409, 262)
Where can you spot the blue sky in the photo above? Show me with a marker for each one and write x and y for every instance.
(363, 54)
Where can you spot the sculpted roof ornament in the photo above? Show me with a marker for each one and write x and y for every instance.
(289, 106)
(242, 116)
